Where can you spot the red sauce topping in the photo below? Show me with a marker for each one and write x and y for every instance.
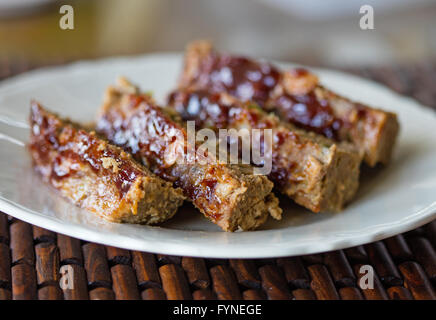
(200, 106)
(239, 76)
(299, 72)
(309, 112)
(204, 195)
(247, 80)
(74, 147)
(146, 132)
(279, 175)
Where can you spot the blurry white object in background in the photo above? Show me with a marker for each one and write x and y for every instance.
(21, 7)
(322, 9)
(343, 50)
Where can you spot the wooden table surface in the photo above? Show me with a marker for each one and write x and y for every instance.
(32, 258)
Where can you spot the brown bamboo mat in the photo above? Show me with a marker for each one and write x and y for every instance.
(405, 265)
(31, 259)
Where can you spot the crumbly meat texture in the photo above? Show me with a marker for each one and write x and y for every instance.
(373, 131)
(97, 176)
(296, 96)
(228, 195)
(311, 169)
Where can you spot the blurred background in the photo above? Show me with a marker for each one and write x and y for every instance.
(318, 32)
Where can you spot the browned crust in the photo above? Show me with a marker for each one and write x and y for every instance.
(195, 52)
(96, 175)
(227, 195)
(316, 173)
(372, 131)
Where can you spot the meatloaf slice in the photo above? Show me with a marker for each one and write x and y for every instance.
(296, 96)
(228, 195)
(309, 168)
(96, 175)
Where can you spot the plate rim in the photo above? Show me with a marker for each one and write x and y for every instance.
(425, 216)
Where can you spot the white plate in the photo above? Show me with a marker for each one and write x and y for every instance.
(390, 201)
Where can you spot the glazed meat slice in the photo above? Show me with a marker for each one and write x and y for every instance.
(296, 96)
(95, 175)
(316, 173)
(230, 196)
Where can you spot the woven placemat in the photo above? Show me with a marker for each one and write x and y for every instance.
(31, 258)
